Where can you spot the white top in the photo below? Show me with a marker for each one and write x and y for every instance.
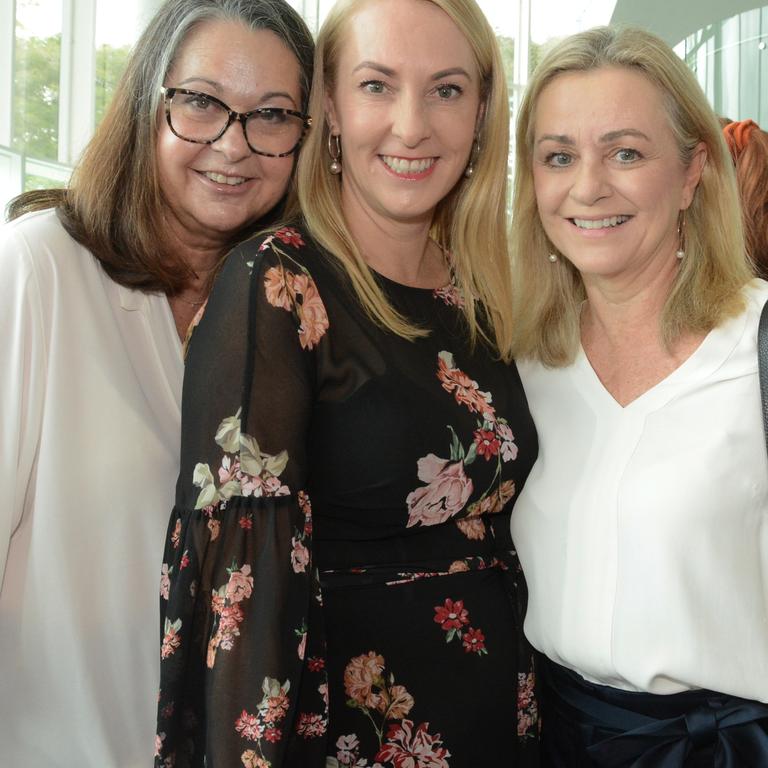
(643, 530)
(90, 385)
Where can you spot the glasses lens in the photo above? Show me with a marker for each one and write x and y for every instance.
(194, 116)
(274, 131)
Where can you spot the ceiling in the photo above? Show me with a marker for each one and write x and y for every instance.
(674, 20)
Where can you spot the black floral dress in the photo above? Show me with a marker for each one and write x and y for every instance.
(339, 585)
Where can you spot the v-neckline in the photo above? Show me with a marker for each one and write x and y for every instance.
(711, 353)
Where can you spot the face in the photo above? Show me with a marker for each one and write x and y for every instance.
(608, 178)
(212, 190)
(406, 105)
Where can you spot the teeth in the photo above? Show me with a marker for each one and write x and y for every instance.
(611, 221)
(219, 178)
(403, 165)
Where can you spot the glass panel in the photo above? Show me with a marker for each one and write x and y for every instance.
(118, 26)
(36, 78)
(730, 60)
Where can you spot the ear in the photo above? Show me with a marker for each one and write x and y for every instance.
(330, 114)
(693, 174)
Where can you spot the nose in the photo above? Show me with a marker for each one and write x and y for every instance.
(232, 143)
(590, 183)
(411, 119)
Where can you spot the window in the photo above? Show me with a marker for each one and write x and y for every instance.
(60, 61)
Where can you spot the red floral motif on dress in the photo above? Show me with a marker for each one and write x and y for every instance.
(453, 619)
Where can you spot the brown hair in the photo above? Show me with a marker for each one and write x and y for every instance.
(749, 150)
(113, 204)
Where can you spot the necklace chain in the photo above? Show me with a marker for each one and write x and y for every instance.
(198, 303)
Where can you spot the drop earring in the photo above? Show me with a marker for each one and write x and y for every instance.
(470, 169)
(680, 252)
(334, 150)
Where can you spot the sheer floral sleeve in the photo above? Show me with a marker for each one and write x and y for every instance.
(242, 676)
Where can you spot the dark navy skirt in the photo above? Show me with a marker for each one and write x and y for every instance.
(588, 725)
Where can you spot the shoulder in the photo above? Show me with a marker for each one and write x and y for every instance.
(284, 245)
(38, 242)
(755, 294)
(277, 270)
(37, 254)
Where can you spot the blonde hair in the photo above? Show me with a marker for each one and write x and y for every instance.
(114, 203)
(706, 290)
(470, 222)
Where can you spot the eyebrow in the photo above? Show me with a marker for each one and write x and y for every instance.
(217, 87)
(199, 79)
(389, 72)
(278, 95)
(604, 139)
(449, 72)
(373, 65)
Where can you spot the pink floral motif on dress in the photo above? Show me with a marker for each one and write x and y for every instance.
(448, 488)
(450, 295)
(465, 390)
(297, 292)
(373, 691)
(171, 638)
(266, 724)
(225, 603)
(527, 711)
(407, 747)
(445, 495)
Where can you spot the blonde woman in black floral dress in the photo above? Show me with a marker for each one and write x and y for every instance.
(339, 586)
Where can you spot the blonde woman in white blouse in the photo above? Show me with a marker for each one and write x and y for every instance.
(643, 527)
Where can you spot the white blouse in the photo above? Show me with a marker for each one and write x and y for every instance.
(643, 530)
(90, 386)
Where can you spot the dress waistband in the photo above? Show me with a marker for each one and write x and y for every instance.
(405, 573)
(657, 731)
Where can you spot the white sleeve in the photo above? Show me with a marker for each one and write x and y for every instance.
(22, 379)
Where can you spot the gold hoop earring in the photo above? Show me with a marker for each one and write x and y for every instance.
(334, 150)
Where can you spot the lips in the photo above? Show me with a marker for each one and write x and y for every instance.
(605, 223)
(406, 166)
(220, 178)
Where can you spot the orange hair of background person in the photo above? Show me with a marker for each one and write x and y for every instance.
(749, 148)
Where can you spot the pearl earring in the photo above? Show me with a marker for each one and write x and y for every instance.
(552, 257)
(680, 252)
(470, 169)
(334, 150)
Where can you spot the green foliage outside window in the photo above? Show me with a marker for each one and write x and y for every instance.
(36, 96)
(110, 63)
(36, 91)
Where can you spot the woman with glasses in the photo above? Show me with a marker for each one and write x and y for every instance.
(339, 586)
(98, 285)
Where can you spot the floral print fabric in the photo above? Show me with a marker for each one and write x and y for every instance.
(339, 587)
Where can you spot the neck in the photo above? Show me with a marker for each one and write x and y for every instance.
(200, 251)
(627, 306)
(202, 254)
(399, 250)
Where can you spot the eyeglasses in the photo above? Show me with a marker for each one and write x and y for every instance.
(202, 119)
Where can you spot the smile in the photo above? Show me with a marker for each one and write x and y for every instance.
(610, 221)
(219, 178)
(405, 167)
